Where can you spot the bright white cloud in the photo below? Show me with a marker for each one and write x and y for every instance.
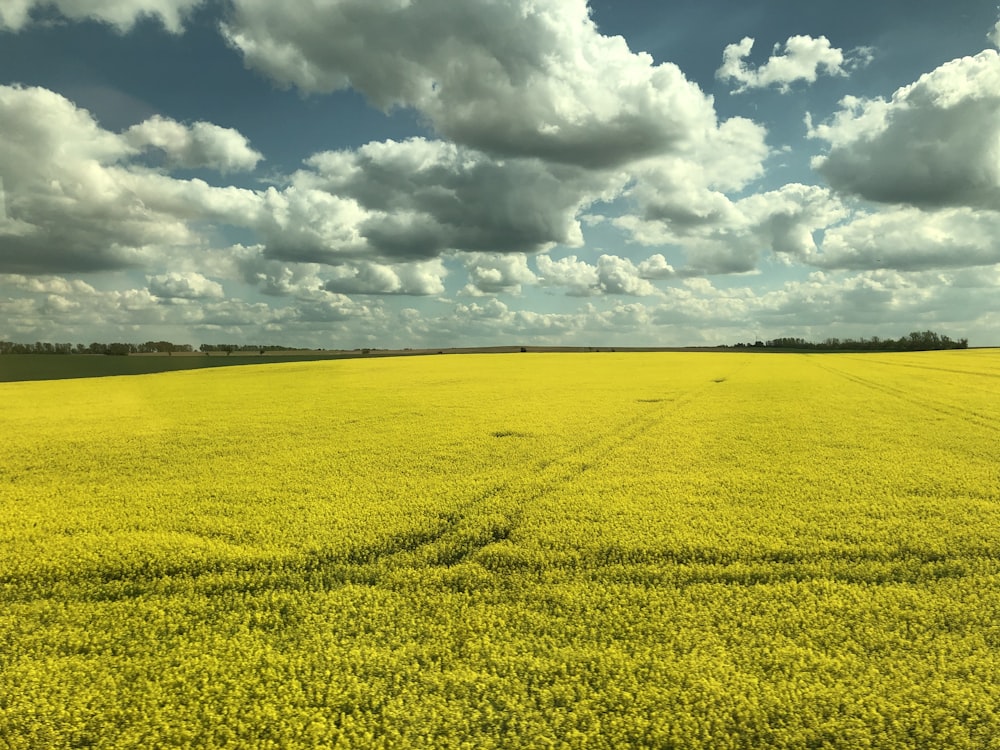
(305, 280)
(994, 35)
(787, 220)
(802, 59)
(733, 236)
(493, 274)
(122, 14)
(611, 275)
(541, 120)
(579, 277)
(536, 79)
(74, 201)
(191, 147)
(617, 275)
(656, 267)
(418, 279)
(184, 286)
(934, 143)
(912, 239)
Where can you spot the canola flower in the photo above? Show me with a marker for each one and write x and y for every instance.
(501, 551)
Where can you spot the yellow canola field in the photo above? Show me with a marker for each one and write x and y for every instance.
(690, 550)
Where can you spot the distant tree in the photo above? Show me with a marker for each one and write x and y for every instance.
(915, 341)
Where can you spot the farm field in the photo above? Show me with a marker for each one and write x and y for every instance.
(21, 367)
(667, 550)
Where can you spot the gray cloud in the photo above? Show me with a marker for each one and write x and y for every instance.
(933, 144)
(122, 14)
(493, 274)
(536, 79)
(199, 145)
(417, 279)
(184, 286)
(910, 239)
(75, 203)
(418, 199)
(612, 275)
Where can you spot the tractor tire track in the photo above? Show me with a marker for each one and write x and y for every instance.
(949, 410)
(480, 522)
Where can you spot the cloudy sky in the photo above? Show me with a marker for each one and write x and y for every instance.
(391, 173)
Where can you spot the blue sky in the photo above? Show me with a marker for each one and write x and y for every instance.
(390, 173)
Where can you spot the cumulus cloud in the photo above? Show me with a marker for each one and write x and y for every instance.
(912, 239)
(331, 307)
(578, 276)
(492, 274)
(417, 279)
(420, 198)
(191, 147)
(802, 59)
(734, 237)
(184, 286)
(280, 278)
(933, 144)
(122, 14)
(75, 202)
(787, 220)
(681, 197)
(536, 79)
(656, 267)
(994, 35)
(544, 117)
(611, 275)
(617, 275)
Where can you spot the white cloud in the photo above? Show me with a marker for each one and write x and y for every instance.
(493, 274)
(52, 285)
(309, 225)
(536, 79)
(199, 145)
(994, 35)
(734, 236)
(682, 200)
(579, 277)
(656, 267)
(305, 281)
(420, 198)
(330, 307)
(617, 275)
(74, 201)
(957, 302)
(934, 143)
(418, 279)
(911, 239)
(612, 275)
(184, 286)
(802, 59)
(122, 14)
(787, 220)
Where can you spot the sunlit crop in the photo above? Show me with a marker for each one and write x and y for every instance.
(600, 550)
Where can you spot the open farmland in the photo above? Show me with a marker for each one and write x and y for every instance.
(502, 551)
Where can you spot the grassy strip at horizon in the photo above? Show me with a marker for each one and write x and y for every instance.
(673, 550)
(26, 367)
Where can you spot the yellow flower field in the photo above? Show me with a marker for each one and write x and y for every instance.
(690, 550)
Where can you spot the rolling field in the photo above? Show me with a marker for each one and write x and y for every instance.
(506, 551)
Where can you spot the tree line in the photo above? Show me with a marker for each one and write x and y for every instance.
(916, 341)
(119, 348)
